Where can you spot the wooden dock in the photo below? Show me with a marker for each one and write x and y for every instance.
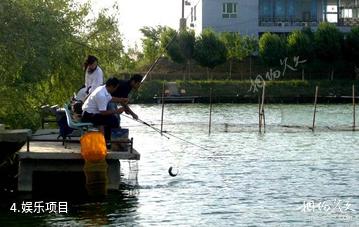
(177, 99)
(46, 155)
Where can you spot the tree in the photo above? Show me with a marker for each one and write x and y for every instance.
(179, 46)
(250, 48)
(351, 46)
(151, 43)
(104, 40)
(272, 49)
(300, 45)
(170, 44)
(235, 47)
(327, 41)
(186, 42)
(209, 50)
(42, 48)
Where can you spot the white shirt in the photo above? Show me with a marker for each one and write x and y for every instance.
(97, 101)
(94, 79)
(81, 95)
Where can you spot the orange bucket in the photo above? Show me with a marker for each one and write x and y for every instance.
(93, 146)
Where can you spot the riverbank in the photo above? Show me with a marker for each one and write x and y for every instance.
(236, 91)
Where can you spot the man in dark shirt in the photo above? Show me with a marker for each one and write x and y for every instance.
(122, 91)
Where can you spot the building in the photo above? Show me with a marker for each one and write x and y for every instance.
(254, 17)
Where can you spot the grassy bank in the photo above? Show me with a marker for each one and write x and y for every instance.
(241, 91)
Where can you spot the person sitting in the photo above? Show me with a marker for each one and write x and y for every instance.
(95, 108)
(81, 94)
(93, 74)
(123, 90)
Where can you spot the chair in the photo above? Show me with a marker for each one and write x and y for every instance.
(82, 126)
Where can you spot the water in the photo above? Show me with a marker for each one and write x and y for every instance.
(244, 178)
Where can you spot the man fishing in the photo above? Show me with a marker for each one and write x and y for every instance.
(123, 90)
(95, 108)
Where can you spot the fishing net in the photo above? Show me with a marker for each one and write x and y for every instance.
(129, 176)
(244, 118)
(327, 117)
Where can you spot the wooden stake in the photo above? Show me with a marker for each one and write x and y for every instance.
(353, 107)
(261, 109)
(210, 112)
(315, 106)
(163, 105)
(259, 113)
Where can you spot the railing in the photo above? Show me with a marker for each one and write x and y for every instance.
(348, 22)
(286, 22)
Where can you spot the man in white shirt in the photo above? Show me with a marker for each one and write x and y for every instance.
(95, 108)
(93, 74)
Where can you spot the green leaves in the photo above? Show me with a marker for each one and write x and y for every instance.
(42, 48)
(209, 50)
(328, 42)
(272, 48)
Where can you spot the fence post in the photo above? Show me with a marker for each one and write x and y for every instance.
(163, 105)
(315, 106)
(210, 112)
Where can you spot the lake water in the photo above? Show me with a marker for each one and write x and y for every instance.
(287, 176)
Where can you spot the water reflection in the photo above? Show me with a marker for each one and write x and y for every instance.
(245, 178)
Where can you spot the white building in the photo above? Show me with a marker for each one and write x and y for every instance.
(254, 17)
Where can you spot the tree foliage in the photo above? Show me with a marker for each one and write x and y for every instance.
(272, 48)
(42, 47)
(299, 44)
(209, 50)
(151, 42)
(170, 45)
(352, 46)
(328, 41)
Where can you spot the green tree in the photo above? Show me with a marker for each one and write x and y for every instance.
(235, 48)
(327, 41)
(272, 48)
(151, 43)
(300, 45)
(351, 46)
(209, 50)
(170, 44)
(250, 48)
(186, 42)
(42, 48)
(104, 41)
(179, 46)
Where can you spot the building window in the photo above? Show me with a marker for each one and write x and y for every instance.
(229, 10)
(332, 13)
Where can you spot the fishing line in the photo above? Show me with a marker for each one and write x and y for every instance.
(166, 132)
(147, 124)
(170, 170)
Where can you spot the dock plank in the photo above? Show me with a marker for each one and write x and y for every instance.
(55, 150)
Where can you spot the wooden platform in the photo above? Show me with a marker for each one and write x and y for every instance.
(51, 156)
(177, 99)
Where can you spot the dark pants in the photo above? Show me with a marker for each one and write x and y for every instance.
(108, 121)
